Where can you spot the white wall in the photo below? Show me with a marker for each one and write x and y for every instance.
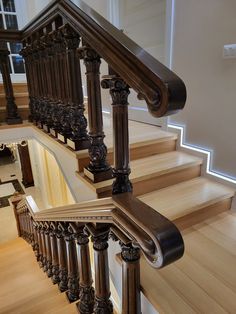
(201, 29)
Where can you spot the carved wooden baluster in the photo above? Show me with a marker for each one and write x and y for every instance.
(102, 284)
(12, 116)
(78, 122)
(131, 303)
(44, 252)
(37, 82)
(36, 241)
(40, 255)
(86, 303)
(48, 249)
(24, 225)
(50, 81)
(32, 236)
(43, 80)
(26, 54)
(98, 168)
(66, 131)
(55, 257)
(58, 108)
(119, 91)
(62, 256)
(72, 263)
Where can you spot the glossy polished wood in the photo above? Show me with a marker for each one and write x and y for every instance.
(131, 299)
(164, 91)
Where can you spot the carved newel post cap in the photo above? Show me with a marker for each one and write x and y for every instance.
(16, 197)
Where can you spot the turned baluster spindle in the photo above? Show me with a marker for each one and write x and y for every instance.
(12, 116)
(55, 257)
(48, 249)
(44, 252)
(72, 263)
(36, 241)
(59, 106)
(43, 80)
(98, 168)
(37, 81)
(131, 303)
(40, 242)
(50, 81)
(102, 283)
(86, 302)
(119, 91)
(62, 257)
(66, 131)
(79, 138)
(25, 53)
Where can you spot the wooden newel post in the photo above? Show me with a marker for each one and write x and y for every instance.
(12, 116)
(119, 91)
(131, 303)
(102, 282)
(15, 199)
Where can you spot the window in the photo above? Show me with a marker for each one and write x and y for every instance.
(8, 20)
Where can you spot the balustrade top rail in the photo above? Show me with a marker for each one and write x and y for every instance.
(162, 89)
(158, 238)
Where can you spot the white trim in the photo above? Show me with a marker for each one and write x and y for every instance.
(170, 20)
(205, 151)
(114, 13)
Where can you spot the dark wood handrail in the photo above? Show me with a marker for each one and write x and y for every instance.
(163, 90)
(159, 239)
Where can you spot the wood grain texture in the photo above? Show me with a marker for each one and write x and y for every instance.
(203, 281)
(195, 200)
(153, 170)
(24, 282)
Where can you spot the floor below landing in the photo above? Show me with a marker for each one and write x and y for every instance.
(8, 173)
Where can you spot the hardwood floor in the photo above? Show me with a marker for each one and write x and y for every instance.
(24, 288)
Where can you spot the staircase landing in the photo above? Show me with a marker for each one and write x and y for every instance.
(24, 288)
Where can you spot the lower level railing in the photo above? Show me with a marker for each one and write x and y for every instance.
(60, 239)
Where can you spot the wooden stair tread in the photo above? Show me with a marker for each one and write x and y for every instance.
(186, 197)
(24, 282)
(16, 94)
(140, 134)
(152, 166)
(203, 281)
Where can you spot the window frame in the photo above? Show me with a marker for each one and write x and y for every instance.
(19, 9)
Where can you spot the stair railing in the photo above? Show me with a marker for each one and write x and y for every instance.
(53, 45)
(60, 239)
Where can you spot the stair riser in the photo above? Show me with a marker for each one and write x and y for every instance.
(17, 88)
(203, 213)
(23, 112)
(136, 152)
(159, 182)
(20, 101)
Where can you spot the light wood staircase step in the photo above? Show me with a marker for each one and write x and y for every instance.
(146, 140)
(204, 280)
(154, 172)
(191, 201)
(17, 88)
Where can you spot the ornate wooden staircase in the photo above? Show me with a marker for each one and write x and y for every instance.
(147, 191)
